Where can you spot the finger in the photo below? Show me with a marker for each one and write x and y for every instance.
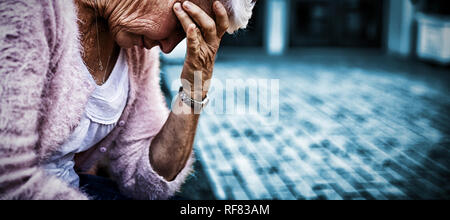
(222, 20)
(205, 22)
(182, 16)
(192, 38)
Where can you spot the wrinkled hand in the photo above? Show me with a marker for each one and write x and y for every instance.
(202, 42)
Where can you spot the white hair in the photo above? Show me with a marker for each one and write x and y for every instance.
(240, 12)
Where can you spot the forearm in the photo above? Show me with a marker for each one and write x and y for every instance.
(172, 146)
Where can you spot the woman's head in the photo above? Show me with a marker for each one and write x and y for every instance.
(150, 23)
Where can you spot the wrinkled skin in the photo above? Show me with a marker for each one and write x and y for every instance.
(129, 21)
(148, 23)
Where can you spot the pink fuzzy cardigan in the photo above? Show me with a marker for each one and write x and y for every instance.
(42, 97)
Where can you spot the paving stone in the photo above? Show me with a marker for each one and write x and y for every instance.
(350, 127)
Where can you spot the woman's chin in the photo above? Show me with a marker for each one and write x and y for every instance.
(127, 40)
(166, 50)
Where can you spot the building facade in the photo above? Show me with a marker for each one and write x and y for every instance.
(281, 25)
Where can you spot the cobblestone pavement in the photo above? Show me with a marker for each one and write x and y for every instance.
(350, 127)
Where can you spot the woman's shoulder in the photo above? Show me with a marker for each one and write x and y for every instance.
(29, 19)
(22, 12)
(20, 5)
(17, 14)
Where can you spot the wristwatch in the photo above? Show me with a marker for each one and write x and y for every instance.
(195, 104)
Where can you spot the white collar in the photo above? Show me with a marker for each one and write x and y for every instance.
(107, 102)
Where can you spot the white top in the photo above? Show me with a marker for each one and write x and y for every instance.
(103, 110)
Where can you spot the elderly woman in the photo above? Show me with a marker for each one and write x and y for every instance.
(80, 81)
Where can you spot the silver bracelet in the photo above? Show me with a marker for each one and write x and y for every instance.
(196, 105)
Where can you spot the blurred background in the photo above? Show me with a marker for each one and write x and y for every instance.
(363, 104)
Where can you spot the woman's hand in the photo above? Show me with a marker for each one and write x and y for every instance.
(202, 43)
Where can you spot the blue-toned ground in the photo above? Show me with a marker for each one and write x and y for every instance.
(352, 125)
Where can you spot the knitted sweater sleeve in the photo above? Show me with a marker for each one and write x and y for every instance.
(25, 50)
(129, 156)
